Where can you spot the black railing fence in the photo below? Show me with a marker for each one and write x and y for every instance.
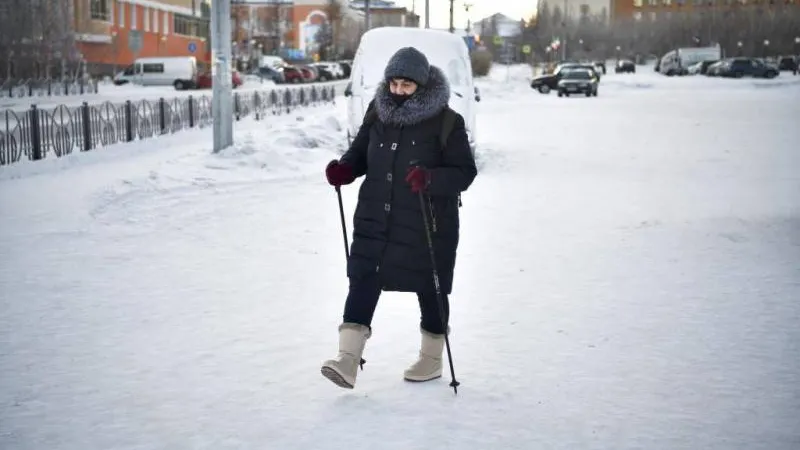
(46, 87)
(39, 133)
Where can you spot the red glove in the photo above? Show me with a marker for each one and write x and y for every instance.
(419, 179)
(339, 173)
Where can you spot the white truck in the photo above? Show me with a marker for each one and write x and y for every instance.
(677, 62)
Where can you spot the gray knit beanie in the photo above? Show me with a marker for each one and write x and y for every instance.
(408, 63)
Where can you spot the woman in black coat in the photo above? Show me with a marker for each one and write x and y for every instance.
(400, 154)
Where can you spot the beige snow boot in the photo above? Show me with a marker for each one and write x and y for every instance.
(343, 369)
(429, 363)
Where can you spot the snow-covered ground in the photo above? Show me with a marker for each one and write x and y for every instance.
(119, 94)
(628, 278)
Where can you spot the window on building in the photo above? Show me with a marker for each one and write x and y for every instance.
(183, 25)
(666, 2)
(653, 16)
(680, 2)
(156, 20)
(637, 3)
(166, 22)
(637, 15)
(134, 19)
(190, 26)
(99, 10)
(146, 19)
(121, 8)
(652, 2)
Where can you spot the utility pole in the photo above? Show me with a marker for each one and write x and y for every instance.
(452, 28)
(467, 6)
(222, 100)
(564, 31)
(427, 13)
(367, 18)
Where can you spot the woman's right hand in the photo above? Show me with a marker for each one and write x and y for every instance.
(338, 173)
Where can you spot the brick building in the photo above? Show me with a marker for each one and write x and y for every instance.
(655, 9)
(112, 33)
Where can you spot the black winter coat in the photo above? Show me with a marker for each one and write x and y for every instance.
(389, 233)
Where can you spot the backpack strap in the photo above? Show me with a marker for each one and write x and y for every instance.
(448, 122)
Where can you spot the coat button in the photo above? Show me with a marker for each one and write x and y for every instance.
(387, 207)
(394, 145)
(389, 176)
(381, 145)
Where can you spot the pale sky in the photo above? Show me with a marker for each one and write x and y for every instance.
(440, 10)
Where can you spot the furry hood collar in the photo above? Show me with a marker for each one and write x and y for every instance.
(426, 102)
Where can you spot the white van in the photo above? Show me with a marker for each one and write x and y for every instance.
(443, 50)
(177, 71)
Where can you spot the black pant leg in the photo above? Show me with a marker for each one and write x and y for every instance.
(430, 320)
(362, 300)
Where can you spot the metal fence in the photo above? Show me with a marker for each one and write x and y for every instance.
(46, 87)
(39, 133)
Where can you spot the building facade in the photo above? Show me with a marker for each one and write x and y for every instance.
(112, 33)
(652, 10)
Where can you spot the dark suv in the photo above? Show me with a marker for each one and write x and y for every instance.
(752, 67)
(549, 82)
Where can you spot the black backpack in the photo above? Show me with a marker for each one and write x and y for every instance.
(448, 121)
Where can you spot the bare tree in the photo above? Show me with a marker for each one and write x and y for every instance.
(36, 38)
(755, 31)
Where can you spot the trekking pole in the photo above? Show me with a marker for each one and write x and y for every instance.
(344, 226)
(454, 384)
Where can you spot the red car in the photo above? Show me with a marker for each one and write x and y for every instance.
(204, 80)
(293, 74)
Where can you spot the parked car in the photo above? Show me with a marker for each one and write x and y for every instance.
(310, 74)
(713, 69)
(549, 82)
(292, 74)
(753, 67)
(788, 63)
(336, 69)
(699, 68)
(274, 74)
(325, 72)
(347, 67)
(578, 81)
(204, 80)
(178, 71)
(625, 66)
(443, 50)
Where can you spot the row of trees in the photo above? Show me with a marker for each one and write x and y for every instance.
(36, 39)
(739, 30)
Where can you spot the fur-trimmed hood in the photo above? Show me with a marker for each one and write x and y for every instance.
(425, 103)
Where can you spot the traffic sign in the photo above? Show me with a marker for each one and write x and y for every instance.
(526, 49)
(192, 47)
(498, 40)
(135, 41)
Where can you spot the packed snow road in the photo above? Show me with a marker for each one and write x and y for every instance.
(628, 278)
